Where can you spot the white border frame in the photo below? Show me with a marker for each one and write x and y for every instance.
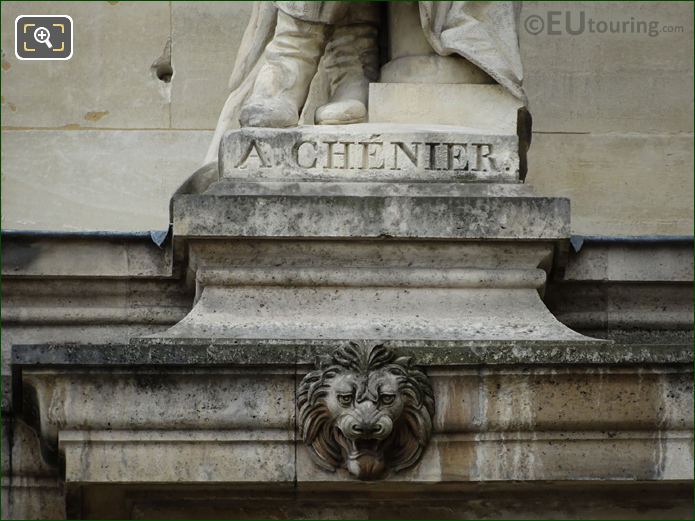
(72, 36)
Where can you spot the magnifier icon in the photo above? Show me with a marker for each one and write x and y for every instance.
(43, 35)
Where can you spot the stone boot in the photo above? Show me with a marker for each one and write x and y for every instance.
(282, 85)
(352, 62)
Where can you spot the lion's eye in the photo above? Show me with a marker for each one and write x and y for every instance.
(387, 399)
(345, 399)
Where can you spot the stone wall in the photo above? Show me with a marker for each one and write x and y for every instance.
(101, 141)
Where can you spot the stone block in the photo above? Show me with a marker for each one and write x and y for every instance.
(28, 497)
(484, 298)
(310, 303)
(74, 307)
(31, 488)
(102, 255)
(489, 108)
(637, 290)
(189, 456)
(108, 83)
(370, 152)
(628, 81)
(85, 180)
(628, 311)
(553, 456)
(233, 400)
(624, 199)
(353, 216)
(205, 38)
(619, 261)
(537, 421)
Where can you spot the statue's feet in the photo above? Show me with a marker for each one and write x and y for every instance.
(344, 112)
(269, 112)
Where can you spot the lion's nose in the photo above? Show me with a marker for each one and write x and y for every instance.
(366, 429)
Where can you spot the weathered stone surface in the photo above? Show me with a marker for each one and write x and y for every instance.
(488, 297)
(108, 83)
(489, 108)
(371, 152)
(538, 456)
(72, 306)
(412, 58)
(491, 423)
(365, 189)
(72, 187)
(620, 259)
(432, 69)
(379, 216)
(627, 289)
(31, 488)
(182, 456)
(206, 36)
(84, 255)
(493, 296)
(228, 400)
(498, 424)
(624, 82)
(626, 311)
(175, 352)
(537, 500)
(454, 304)
(28, 497)
(564, 164)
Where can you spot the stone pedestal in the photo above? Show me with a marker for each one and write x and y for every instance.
(422, 246)
(411, 58)
(489, 108)
(368, 232)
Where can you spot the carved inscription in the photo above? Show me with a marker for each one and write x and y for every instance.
(369, 152)
(473, 157)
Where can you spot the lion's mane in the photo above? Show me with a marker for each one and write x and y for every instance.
(413, 428)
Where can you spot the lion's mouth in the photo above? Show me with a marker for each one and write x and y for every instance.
(364, 447)
(356, 448)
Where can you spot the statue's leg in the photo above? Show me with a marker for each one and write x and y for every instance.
(282, 85)
(352, 62)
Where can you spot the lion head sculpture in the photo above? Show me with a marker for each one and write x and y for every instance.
(366, 410)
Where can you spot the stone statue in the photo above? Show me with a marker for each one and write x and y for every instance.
(285, 42)
(291, 60)
(366, 410)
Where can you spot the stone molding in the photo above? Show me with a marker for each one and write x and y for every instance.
(499, 407)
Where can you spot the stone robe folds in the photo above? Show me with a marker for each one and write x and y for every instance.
(484, 33)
